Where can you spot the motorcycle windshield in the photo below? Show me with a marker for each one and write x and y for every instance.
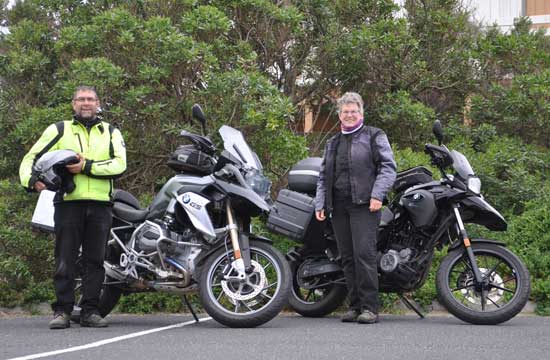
(462, 165)
(234, 143)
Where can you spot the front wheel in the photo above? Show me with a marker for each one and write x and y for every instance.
(249, 302)
(502, 294)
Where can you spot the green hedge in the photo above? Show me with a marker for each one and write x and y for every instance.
(509, 169)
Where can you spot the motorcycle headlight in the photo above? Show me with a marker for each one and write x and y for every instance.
(259, 183)
(474, 184)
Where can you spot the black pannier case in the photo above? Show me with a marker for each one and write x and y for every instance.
(304, 175)
(411, 177)
(292, 214)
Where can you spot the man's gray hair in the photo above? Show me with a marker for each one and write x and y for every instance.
(85, 88)
(350, 98)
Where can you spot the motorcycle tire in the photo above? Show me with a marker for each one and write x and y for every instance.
(507, 292)
(253, 302)
(334, 296)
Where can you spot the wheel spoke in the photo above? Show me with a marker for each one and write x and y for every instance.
(491, 300)
(483, 299)
(502, 288)
(308, 295)
(265, 295)
(246, 305)
(465, 262)
(508, 280)
(492, 270)
(270, 285)
(460, 272)
(220, 296)
(462, 287)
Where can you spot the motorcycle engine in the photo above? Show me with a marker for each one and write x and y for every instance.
(392, 258)
(395, 265)
(180, 256)
(149, 233)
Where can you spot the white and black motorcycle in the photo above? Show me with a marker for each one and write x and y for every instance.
(196, 236)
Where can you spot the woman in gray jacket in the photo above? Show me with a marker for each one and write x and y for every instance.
(358, 170)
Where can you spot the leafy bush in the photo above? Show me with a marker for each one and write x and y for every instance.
(26, 257)
(529, 237)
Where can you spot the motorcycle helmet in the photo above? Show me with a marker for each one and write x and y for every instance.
(50, 169)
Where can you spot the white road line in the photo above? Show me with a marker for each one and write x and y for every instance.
(108, 341)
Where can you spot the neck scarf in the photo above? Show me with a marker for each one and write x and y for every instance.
(351, 129)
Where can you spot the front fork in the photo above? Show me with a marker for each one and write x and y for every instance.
(241, 247)
(468, 246)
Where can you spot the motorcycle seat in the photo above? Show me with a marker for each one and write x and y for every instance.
(128, 213)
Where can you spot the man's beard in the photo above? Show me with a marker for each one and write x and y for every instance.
(86, 120)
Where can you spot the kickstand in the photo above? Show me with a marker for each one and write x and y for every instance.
(411, 305)
(184, 297)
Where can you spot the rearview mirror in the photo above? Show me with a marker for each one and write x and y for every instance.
(198, 114)
(196, 110)
(438, 131)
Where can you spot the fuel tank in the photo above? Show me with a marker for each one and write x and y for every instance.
(420, 205)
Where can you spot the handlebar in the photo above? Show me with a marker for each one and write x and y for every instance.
(440, 155)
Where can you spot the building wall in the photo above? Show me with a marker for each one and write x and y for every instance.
(537, 7)
(503, 12)
(500, 12)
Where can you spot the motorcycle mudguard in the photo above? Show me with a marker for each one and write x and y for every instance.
(318, 266)
(478, 211)
(456, 244)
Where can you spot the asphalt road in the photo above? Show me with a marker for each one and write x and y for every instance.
(286, 337)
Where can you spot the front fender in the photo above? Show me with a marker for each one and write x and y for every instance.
(456, 244)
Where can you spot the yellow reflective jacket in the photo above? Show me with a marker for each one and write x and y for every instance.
(102, 146)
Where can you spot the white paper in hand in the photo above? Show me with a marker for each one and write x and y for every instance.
(43, 213)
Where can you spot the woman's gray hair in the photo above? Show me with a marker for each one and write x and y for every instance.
(350, 98)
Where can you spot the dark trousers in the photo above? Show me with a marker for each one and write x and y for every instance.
(355, 228)
(77, 224)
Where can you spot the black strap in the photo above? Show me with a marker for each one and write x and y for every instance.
(60, 125)
(60, 130)
(111, 147)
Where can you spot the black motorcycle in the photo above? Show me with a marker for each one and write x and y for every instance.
(478, 281)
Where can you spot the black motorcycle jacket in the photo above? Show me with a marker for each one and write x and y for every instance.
(371, 165)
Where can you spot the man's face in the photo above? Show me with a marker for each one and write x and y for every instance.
(86, 104)
(350, 115)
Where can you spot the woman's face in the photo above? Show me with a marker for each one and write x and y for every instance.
(350, 115)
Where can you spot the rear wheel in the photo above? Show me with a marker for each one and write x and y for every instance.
(312, 298)
(502, 294)
(108, 297)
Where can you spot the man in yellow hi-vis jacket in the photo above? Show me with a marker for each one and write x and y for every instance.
(84, 216)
